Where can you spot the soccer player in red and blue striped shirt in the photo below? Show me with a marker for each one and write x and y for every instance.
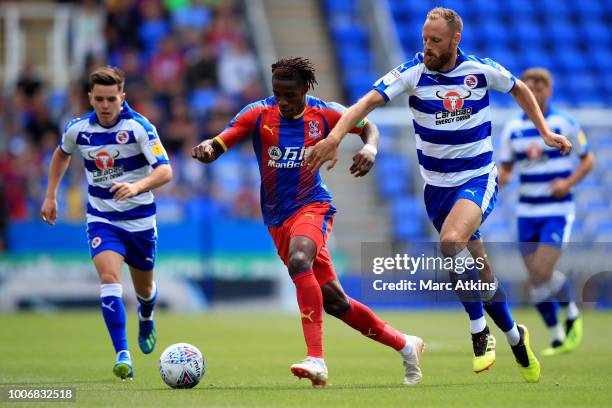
(297, 208)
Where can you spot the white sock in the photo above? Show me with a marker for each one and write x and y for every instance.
(478, 325)
(111, 289)
(572, 311)
(124, 351)
(407, 349)
(557, 332)
(513, 336)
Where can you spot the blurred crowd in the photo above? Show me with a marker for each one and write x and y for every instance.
(189, 69)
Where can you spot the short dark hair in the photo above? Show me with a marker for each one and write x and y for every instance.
(298, 68)
(107, 76)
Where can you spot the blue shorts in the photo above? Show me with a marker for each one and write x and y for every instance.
(138, 248)
(552, 231)
(440, 200)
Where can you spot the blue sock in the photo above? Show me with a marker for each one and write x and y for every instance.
(471, 299)
(147, 305)
(548, 311)
(498, 309)
(113, 312)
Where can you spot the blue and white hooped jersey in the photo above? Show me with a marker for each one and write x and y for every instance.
(452, 119)
(539, 165)
(124, 153)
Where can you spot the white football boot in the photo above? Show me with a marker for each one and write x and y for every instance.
(412, 369)
(312, 368)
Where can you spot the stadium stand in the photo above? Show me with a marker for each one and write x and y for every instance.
(180, 55)
(189, 68)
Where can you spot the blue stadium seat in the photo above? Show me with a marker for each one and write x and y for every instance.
(528, 33)
(596, 32)
(409, 230)
(562, 32)
(600, 59)
(406, 208)
(587, 8)
(349, 33)
(488, 9)
(358, 84)
(532, 57)
(571, 61)
(554, 9)
(400, 9)
(520, 8)
(392, 174)
(353, 59)
(496, 33)
(586, 89)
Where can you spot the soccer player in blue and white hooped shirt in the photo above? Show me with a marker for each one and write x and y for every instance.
(449, 99)
(546, 209)
(124, 161)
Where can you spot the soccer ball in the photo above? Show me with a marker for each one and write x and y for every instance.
(181, 366)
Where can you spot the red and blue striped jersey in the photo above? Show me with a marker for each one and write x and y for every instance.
(280, 145)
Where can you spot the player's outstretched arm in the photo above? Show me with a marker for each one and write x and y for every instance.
(59, 163)
(327, 149)
(208, 151)
(525, 99)
(364, 159)
(157, 178)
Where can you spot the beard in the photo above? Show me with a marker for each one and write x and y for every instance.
(435, 63)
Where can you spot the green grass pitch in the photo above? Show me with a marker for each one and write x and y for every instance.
(248, 357)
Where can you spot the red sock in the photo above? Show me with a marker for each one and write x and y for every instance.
(362, 318)
(310, 301)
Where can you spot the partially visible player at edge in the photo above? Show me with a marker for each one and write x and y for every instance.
(298, 211)
(119, 147)
(545, 211)
(450, 104)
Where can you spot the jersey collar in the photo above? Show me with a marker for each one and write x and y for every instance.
(126, 113)
(299, 115)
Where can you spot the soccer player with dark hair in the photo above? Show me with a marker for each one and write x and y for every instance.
(546, 208)
(449, 99)
(124, 161)
(297, 208)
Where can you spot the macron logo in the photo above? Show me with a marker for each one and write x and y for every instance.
(105, 306)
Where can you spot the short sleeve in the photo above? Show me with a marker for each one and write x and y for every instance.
(150, 144)
(498, 77)
(240, 126)
(68, 142)
(400, 79)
